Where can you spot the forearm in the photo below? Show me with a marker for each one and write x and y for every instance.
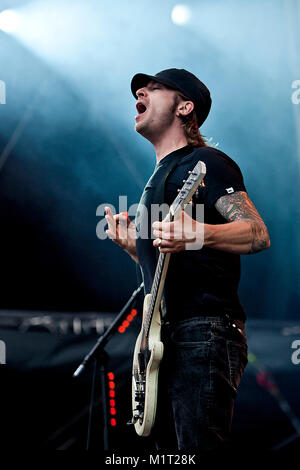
(130, 247)
(240, 237)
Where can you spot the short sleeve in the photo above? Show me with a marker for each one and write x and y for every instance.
(223, 176)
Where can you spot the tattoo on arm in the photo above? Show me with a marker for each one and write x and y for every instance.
(238, 206)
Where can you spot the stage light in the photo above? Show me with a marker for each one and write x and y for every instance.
(181, 14)
(9, 21)
(125, 324)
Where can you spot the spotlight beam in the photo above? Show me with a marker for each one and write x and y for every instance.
(9, 21)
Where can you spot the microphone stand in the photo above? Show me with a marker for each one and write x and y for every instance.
(98, 354)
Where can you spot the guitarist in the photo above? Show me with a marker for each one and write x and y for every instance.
(205, 346)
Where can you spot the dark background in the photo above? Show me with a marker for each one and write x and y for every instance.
(67, 140)
(68, 145)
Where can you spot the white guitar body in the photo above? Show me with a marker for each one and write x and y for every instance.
(143, 426)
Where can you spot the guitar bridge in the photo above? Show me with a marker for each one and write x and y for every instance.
(133, 420)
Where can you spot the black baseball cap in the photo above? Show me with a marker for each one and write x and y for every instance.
(185, 82)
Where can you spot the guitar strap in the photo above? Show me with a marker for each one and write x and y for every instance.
(158, 198)
(159, 192)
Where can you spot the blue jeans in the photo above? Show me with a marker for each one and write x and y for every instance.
(204, 358)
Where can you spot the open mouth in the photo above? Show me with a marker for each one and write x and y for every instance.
(141, 108)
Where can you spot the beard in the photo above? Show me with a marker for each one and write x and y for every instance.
(152, 127)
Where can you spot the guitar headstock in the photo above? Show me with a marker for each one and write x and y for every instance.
(189, 188)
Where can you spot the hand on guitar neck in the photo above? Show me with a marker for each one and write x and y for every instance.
(122, 231)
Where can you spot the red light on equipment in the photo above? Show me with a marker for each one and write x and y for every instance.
(129, 318)
(112, 394)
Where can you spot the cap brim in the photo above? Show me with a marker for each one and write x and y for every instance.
(141, 79)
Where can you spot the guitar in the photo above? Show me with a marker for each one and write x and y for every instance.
(148, 350)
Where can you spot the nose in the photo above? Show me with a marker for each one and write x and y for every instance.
(141, 92)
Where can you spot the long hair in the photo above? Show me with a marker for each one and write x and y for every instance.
(189, 124)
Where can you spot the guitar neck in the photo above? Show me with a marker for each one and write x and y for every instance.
(158, 284)
(157, 288)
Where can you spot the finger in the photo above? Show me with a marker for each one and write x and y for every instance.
(167, 236)
(163, 235)
(122, 219)
(163, 243)
(114, 219)
(111, 234)
(167, 250)
(157, 225)
(157, 233)
(157, 242)
(167, 247)
(163, 226)
(108, 211)
(125, 215)
(111, 223)
(109, 216)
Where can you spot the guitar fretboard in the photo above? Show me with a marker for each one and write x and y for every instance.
(154, 290)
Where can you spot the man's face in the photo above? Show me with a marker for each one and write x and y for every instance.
(156, 109)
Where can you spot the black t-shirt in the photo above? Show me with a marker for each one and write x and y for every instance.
(198, 282)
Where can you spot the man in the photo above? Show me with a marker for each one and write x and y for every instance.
(205, 348)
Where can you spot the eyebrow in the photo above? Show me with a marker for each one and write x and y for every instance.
(154, 83)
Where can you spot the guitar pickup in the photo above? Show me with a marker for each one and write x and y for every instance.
(139, 396)
(141, 361)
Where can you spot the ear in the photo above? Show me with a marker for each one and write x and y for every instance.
(185, 108)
